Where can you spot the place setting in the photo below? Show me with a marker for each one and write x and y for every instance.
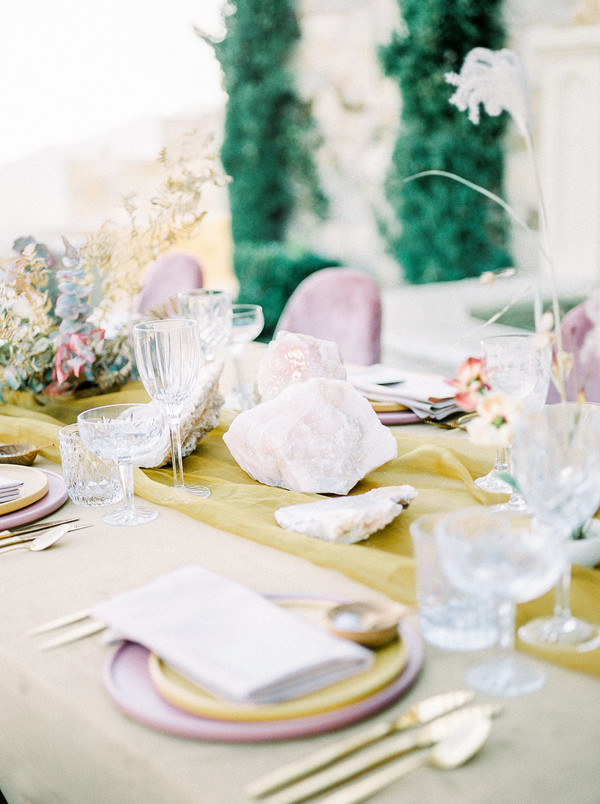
(197, 655)
(28, 493)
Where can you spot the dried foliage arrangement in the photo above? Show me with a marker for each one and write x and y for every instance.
(53, 339)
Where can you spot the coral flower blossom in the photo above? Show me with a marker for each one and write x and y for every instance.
(470, 383)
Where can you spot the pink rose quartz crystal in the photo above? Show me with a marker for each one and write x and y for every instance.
(293, 358)
(317, 436)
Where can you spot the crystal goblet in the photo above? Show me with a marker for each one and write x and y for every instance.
(127, 434)
(169, 357)
(512, 558)
(556, 464)
(520, 368)
(211, 310)
(247, 322)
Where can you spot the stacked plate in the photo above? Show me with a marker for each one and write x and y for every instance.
(152, 692)
(27, 494)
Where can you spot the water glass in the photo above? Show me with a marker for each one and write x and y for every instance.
(90, 480)
(448, 618)
(211, 309)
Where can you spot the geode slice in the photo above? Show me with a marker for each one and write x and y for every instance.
(292, 358)
(319, 436)
(347, 519)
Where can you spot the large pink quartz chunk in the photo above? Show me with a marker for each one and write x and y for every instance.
(319, 436)
(292, 358)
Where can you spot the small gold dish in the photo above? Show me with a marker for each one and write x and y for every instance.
(21, 454)
(371, 624)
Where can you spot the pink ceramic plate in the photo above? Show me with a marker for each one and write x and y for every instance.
(391, 417)
(56, 495)
(128, 681)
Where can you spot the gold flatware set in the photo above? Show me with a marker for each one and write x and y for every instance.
(449, 730)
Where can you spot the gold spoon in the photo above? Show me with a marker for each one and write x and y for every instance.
(42, 542)
(370, 624)
(449, 753)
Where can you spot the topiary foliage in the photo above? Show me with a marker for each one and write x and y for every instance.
(268, 275)
(268, 128)
(444, 230)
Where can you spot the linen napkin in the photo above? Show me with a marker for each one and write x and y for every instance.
(9, 483)
(427, 395)
(9, 488)
(231, 641)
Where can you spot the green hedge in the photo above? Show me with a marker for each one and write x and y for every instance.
(269, 131)
(269, 273)
(442, 230)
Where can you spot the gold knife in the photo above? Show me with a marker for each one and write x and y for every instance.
(419, 714)
(73, 635)
(21, 529)
(29, 536)
(374, 755)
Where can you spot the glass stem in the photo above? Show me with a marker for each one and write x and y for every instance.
(502, 463)
(126, 478)
(238, 373)
(562, 594)
(176, 459)
(506, 626)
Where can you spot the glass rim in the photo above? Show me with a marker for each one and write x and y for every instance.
(124, 405)
(203, 292)
(165, 323)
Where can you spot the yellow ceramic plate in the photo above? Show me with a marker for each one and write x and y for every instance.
(179, 691)
(387, 407)
(35, 486)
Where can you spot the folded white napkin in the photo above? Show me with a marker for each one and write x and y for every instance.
(427, 395)
(11, 494)
(9, 483)
(231, 641)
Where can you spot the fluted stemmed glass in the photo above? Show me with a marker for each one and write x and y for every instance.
(556, 464)
(519, 367)
(211, 309)
(511, 558)
(127, 434)
(169, 357)
(247, 322)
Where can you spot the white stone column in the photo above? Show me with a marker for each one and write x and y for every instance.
(568, 145)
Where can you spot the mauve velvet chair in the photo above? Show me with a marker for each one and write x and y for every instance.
(585, 373)
(341, 305)
(167, 276)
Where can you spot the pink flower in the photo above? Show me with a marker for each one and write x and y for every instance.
(470, 383)
(77, 365)
(494, 423)
(72, 357)
(61, 366)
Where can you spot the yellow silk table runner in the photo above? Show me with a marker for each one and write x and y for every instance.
(440, 468)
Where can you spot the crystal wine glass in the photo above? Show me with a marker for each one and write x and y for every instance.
(127, 434)
(169, 357)
(513, 558)
(247, 322)
(211, 309)
(520, 368)
(556, 464)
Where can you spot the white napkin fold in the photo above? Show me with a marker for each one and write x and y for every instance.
(231, 641)
(9, 483)
(427, 395)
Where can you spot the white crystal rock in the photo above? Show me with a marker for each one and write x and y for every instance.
(201, 414)
(347, 519)
(319, 436)
(292, 358)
